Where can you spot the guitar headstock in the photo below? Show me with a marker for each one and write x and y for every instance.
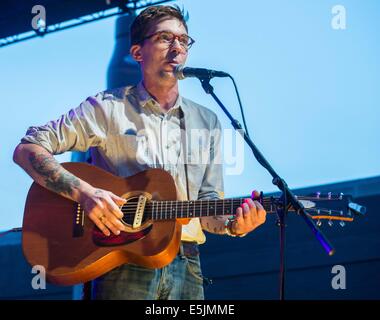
(331, 207)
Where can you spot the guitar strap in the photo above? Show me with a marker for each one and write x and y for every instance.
(183, 150)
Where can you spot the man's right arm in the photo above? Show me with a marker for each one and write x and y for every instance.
(44, 169)
(41, 165)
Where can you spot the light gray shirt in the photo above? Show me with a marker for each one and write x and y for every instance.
(127, 132)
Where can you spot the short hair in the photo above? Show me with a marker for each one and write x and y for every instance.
(154, 14)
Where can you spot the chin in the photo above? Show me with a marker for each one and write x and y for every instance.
(167, 75)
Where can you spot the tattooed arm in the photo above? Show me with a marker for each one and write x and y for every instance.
(46, 171)
(100, 205)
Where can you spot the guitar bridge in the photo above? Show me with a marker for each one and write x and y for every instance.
(139, 212)
(78, 221)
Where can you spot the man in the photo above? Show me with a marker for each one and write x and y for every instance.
(129, 130)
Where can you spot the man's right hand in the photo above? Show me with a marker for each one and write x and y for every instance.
(102, 207)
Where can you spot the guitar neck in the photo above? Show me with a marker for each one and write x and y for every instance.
(168, 210)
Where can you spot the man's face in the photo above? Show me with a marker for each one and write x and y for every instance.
(157, 58)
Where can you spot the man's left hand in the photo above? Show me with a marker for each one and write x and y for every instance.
(249, 216)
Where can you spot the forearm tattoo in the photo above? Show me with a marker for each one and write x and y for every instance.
(98, 192)
(56, 179)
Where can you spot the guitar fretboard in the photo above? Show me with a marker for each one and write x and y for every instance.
(168, 210)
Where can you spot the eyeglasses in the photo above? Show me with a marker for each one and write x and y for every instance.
(168, 38)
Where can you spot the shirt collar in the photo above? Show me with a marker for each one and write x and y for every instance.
(146, 100)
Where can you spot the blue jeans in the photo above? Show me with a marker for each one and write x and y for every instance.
(180, 280)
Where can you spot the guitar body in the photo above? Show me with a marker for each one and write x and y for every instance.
(73, 250)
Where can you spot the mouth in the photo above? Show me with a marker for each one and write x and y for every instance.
(173, 63)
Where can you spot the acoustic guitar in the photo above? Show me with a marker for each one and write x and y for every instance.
(58, 235)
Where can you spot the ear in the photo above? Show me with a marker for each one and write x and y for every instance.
(135, 52)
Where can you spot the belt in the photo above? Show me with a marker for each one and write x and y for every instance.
(187, 248)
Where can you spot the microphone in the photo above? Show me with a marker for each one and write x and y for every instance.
(181, 72)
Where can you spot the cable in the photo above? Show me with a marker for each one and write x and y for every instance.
(240, 105)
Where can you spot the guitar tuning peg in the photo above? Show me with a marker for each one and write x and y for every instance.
(342, 223)
(329, 195)
(341, 196)
(330, 223)
(318, 194)
(319, 223)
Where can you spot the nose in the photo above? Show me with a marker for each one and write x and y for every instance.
(176, 46)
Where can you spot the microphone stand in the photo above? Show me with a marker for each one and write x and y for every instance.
(287, 198)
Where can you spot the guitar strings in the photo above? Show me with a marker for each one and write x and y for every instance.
(158, 207)
(155, 208)
(198, 211)
(218, 203)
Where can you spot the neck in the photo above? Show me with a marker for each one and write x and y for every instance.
(165, 94)
(173, 209)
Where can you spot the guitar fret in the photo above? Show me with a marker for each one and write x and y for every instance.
(176, 208)
(215, 207)
(223, 206)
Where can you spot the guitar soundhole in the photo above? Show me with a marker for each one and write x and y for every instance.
(129, 210)
(113, 240)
